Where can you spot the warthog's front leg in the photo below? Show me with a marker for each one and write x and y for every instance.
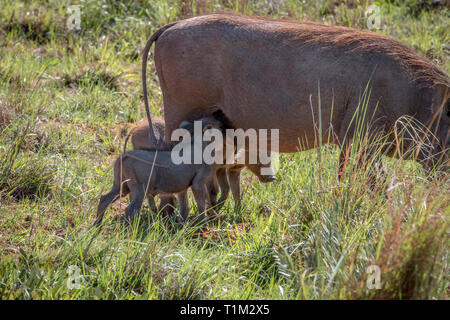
(137, 198)
(184, 205)
(201, 194)
(221, 174)
(234, 178)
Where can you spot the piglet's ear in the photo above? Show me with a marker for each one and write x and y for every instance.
(207, 127)
(185, 125)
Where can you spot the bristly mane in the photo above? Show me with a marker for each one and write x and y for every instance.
(418, 68)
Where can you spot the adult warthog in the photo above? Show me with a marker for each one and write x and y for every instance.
(263, 73)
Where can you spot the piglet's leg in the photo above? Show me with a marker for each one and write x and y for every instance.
(166, 205)
(221, 174)
(105, 200)
(201, 195)
(137, 198)
(151, 202)
(184, 205)
(234, 177)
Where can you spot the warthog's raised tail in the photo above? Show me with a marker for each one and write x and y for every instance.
(150, 41)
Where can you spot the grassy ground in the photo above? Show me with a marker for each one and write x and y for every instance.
(66, 101)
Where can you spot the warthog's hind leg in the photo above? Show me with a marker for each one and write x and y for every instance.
(166, 205)
(106, 200)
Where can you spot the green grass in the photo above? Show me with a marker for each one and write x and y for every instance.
(66, 101)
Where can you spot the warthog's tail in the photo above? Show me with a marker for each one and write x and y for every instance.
(127, 138)
(152, 39)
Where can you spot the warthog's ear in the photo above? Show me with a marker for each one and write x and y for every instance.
(207, 127)
(185, 124)
(188, 125)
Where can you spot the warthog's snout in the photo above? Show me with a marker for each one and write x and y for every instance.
(267, 178)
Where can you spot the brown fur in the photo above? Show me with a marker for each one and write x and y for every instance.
(361, 41)
(140, 135)
(227, 178)
(140, 139)
(263, 73)
(143, 173)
